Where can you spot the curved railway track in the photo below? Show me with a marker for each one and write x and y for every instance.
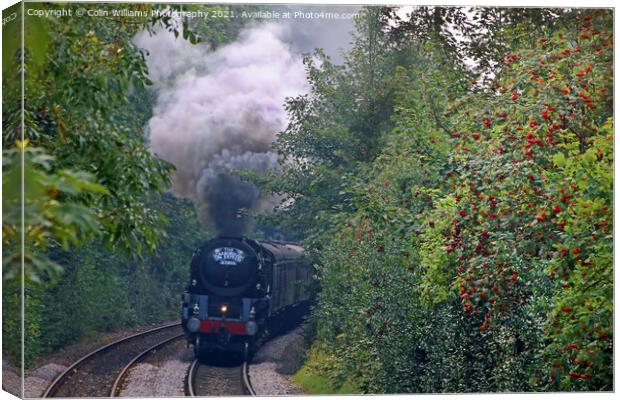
(218, 380)
(95, 374)
(142, 357)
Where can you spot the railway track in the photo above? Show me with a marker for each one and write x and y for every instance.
(142, 357)
(99, 372)
(104, 372)
(222, 379)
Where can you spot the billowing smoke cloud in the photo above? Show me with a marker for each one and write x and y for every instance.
(220, 111)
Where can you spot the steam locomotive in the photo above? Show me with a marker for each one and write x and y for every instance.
(240, 289)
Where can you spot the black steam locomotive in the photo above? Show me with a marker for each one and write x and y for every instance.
(240, 289)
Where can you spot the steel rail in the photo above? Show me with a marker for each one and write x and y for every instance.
(245, 375)
(56, 383)
(191, 376)
(121, 375)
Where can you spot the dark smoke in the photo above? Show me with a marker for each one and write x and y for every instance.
(224, 195)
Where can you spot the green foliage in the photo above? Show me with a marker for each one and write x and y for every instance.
(314, 378)
(51, 213)
(471, 250)
(526, 230)
(80, 77)
(581, 337)
(11, 319)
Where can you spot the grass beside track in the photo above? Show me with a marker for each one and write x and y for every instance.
(313, 379)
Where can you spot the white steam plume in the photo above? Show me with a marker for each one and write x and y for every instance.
(220, 110)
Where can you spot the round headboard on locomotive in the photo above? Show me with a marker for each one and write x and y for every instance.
(226, 266)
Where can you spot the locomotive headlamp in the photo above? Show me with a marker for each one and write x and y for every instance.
(193, 324)
(224, 309)
(195, 309)
(251, 328)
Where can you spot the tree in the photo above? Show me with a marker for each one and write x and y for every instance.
(77, 106)
(333, 132)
